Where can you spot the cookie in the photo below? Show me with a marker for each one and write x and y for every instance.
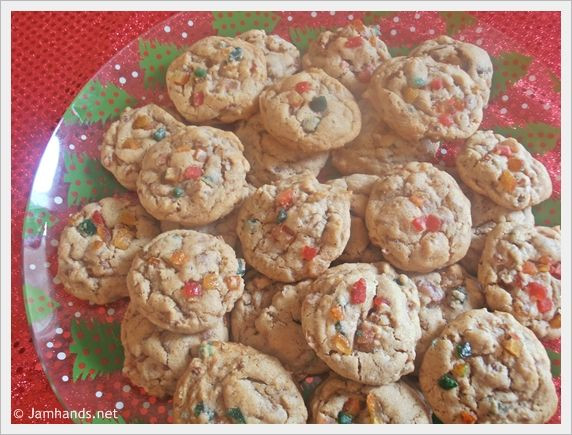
(444, 295)
(127, 139)
(418, 97)
(294, 229)
(155, 358)
(233, 383)
(419, 217)
(267, 317)
(97, 246)
(520, 273)
(363, 322)
(270, 160)
(217, 80)
(350, 54)
(341, 401)
(485, 215)
(193, 177)
(487, 368)
(282, 57)
(472, 59)
(310, 112)
(503, 170)
(377, 148)
(185, 281)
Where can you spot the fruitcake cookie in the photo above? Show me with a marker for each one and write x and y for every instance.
(310, 112)
(155, 358)
(193, 177)
(486, 215)
(359, 248)
(127, 139)
(342, 401)
(269, 159)
(185, 281)
(487, 368)
(444, 295)
(97, 246)
(267, 317)
(418, 97)
(377, 148)
(295, 228)
(217, 80)
(350, 54)
(503, 170)
(520, 274)
(363, 322)
(419, 217)
(282, 57)
(472, 59)
(233, 383)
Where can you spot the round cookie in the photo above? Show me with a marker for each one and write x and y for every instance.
(217, 80)
(155, 358)
(267, 317)
(233, 383)
(485, 215)
(503, 170)
(444, 294)
(471, 58)
(350, 54)
(185, 281)
(295, 228)
(377, 148)
(193, 177)
(520, 273)
(487, 368)
(282, 57)
(363, 322)
(97, 246)
(269, 159)
(418, 97)
(310, 112)
(419, 217)
(341, 401)
(127, 139)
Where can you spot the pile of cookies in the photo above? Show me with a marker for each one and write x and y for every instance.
(366, 277)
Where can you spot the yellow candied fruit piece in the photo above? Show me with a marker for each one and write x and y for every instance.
(122, 239)
(336, 313)
(555, 322)
(372, 409)
(543, 268)
(341, 344)
(507, 181)
(177, 258)
(128, 218)
(131, 143)
(232, 282)
(515, 164)
(410, 94)
(513, 346)
(417, 200)
(209, 281)
(460, 370)
(143, 122)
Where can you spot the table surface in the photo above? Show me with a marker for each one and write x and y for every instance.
(53, 55)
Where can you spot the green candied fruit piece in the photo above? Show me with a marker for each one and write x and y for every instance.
(235, 54)
(206, 350)
(344, 418)
(447, 382)
(236, 415)
(464, 350)
(87, 228)
(160, 134)
(310, 124)
(241, 270)
(319, 104)
(199, 408)
(419, 82)
(177, 192)
(200, 72)
(282, 215)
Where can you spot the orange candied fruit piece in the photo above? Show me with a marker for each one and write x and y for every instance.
(209, 281)
(529, 268)
(341, 344)
(336, 313)
(143, 122)
(285, 199)
(555, 322)
(460, 370)
(128, 218)
(468, 418)
(177, 258)
(507, 181)
(513, 346)
(545, 259)
(96, 244)
(352, 406)
(515, 164)
(122, 239)
(372, 408)
(232, 282)
(131, 143)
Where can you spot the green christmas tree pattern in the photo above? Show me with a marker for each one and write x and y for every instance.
(374, 17)
(236, 22)
(554, 362)
(302, 36)
(547, 213)
(98, 102)
(37, 220)
(97, 347)
(457, 21)
(402, 50)
(100, 420)
(508, 68)
(154, 59)
(537, 137)
(88, 179)
(38, 304)
(555, 80)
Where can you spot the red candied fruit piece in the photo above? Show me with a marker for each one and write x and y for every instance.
(433, 223)
(285, 198)
(536, 291)
(354, 42)
(192, 289)
(193, 172)
(419, 223)
(436, 84)
(544, 305)
(309, 252)
(97, 218)
(198, 98)
(503, 150)
(555, 270)
(446, 120)
(358, 291)
(302, 87)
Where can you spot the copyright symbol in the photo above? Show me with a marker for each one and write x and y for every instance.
(18, 413)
